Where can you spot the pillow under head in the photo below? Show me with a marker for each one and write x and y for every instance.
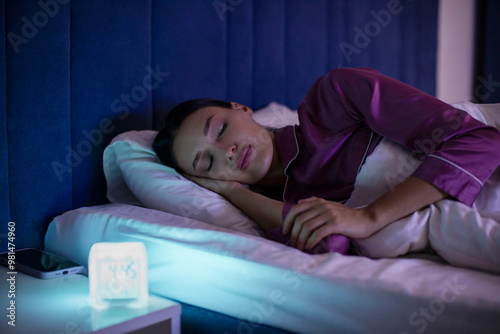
(135, 175)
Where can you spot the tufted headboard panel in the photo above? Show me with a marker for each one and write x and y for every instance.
(76, 73)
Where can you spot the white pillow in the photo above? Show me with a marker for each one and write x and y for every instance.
(276, 115)
(134, 175)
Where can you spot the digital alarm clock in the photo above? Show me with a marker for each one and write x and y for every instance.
(118, 274)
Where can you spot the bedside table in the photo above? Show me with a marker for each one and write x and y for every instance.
(62, 306)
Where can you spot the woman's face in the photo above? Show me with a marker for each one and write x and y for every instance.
(224, 144)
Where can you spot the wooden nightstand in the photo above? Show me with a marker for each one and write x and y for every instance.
(62, 306)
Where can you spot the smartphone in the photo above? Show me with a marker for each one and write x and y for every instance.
(40, 264)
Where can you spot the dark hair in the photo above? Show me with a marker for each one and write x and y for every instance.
(164, 140)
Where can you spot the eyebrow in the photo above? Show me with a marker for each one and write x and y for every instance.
(205, 133)
(207, 125)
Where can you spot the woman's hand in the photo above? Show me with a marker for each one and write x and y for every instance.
(313, 218)
(221, 187)
(263, 210)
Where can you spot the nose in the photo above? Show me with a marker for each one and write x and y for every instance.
(231, 152)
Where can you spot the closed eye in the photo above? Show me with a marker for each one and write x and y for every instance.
(211, 163)
(222, 130)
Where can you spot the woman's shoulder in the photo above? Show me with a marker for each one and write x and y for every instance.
(349, 73)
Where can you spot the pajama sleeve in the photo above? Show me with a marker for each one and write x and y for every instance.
(460, 152)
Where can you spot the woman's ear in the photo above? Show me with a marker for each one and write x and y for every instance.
(237, 106)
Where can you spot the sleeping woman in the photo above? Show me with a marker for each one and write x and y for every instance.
(343, 118)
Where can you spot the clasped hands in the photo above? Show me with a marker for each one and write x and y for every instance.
(313, 219)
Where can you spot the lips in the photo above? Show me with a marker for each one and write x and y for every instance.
(245, 157)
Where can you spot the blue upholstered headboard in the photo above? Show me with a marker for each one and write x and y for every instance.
(76, 73)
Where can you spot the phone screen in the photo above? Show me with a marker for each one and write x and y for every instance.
(40, 260)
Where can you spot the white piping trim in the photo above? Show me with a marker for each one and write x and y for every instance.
(366, 152)
(457, 166)
(289, 163)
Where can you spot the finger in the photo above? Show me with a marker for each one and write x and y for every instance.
(289, 219)
(295, 211)
(212, 185)
(300, 222)
(194, 179)
(309, 229)
(205, 183)
(319, 234)
(309, 199)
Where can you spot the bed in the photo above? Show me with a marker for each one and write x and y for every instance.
(85, 81)
(203, 251)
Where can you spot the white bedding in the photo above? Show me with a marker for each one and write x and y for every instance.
(135, 176)
(236, 272)
(261, 281)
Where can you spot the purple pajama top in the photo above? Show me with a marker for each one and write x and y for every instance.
(344, 116)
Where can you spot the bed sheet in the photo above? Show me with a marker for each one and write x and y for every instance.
(263, 282)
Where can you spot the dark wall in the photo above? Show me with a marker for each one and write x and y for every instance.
(76, 73)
